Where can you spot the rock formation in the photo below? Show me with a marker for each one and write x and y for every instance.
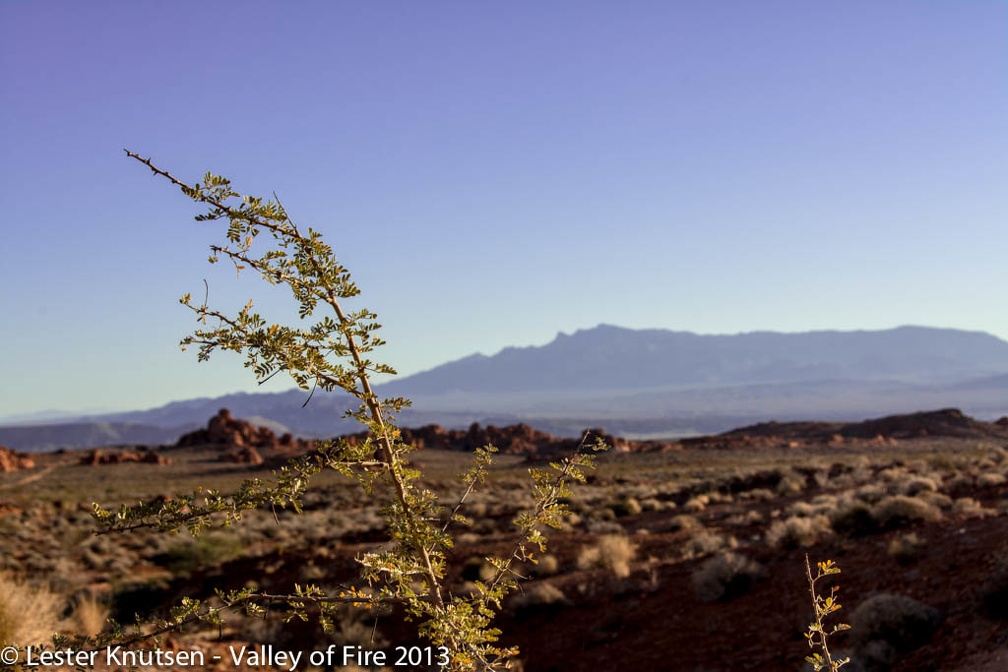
(143, 456)
(14, 461)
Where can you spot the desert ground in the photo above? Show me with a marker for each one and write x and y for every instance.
(680, 555)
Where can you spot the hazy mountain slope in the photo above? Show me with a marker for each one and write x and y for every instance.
(613, 358)
(647, 381)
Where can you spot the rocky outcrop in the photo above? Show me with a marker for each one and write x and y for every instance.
(947, 422)
(14, 461)
(229, 432)
(520, 439)
(96, 457)
(242, 455)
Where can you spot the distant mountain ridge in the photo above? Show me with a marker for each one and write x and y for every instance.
(609, 357)
(646, 381)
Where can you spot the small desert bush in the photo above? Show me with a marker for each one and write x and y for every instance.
(28, 614)
(686, 522)
(918, 484)
(990, 478)
(899, 510)
(870, 493)
(758, 494)
(478, 569)
(724, 577)
(969, 507)
(696, 504)
(705, 542)
(938, 499)
(853, 519)
(887, 623)
(907, 549)
(626, 507)
(613, 552)
(547, 565)
(791, 483)
(188, 555)
(538, 596)
(797, 531)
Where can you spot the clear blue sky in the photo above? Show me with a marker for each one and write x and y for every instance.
(493, 173)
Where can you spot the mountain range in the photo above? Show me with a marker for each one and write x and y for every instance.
(646, 382)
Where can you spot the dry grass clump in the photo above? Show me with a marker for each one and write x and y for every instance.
(90, 614)
(28, 614)
(899, 510)
(798, 531)
(724, 577)
(613, 552)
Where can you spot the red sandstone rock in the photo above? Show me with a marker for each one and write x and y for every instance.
(96, 457)
(11, 460)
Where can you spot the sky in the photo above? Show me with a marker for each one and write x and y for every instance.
(495, 173)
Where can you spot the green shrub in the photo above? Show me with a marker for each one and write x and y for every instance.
(188, 555)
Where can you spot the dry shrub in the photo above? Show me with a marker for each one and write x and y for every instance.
(969, 507)
(938, 499)
(547, 565)
(791, 484)
(684, 521)
(28, 614)
(724, 577)
(907, 549)
(706, 542)
(538, 595)
(613, 552)
(989, 479)
(696, 504)
(853, 519)
(797, 531)
(918, 484)
(626, 507)
(899, 510)
(901, 622)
